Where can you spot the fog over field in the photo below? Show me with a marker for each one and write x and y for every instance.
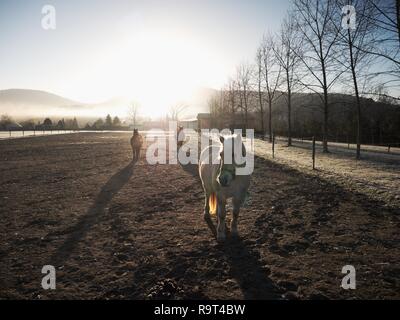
(23, 104)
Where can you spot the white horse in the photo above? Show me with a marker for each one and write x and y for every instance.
(220, 183)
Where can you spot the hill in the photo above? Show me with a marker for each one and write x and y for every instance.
(26, 103)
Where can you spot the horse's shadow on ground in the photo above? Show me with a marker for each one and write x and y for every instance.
(210, 264)
(247, 269)
(94, 214)
(245, 265)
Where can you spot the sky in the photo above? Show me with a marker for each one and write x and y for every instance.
(152, 51)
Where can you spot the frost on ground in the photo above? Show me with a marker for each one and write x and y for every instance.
(376, 175)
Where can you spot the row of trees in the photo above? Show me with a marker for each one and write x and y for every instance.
(108, 123)
(323, 47)
(7, 122)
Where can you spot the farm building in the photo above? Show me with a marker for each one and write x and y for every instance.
(189, 123)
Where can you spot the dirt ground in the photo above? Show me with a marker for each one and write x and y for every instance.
(118, 230)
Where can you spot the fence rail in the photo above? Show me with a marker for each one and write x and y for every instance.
(7, 134)
(381, 148)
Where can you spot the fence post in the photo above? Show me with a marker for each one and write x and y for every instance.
(389, 148)
(10, 132)
(23, 133)
(273, 145)
(313, 152)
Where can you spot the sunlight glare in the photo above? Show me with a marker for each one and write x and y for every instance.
(155, 68)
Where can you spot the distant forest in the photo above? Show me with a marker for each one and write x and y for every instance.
(380, 118)
(8, 123)
(108, 123)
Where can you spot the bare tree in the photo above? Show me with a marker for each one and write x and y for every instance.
(314, 20)
(133, 113)
(288, 55)
(176, 110)
(223, 101)
(260, 89)
(244, 75)
(271, 70)
(232, 92)
(386, 18)
(5, 120)
(239, 93)
(213, 106)
(356, 40)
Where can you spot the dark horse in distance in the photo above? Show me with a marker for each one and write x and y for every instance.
(136, 144)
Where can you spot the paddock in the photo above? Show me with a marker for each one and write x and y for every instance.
(114, 229)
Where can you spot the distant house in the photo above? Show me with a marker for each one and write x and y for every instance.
(189, 123)
(203, 121)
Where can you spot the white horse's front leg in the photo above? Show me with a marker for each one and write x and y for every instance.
(221, 231)
(235, 217)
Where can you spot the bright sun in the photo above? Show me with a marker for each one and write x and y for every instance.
(155, 68)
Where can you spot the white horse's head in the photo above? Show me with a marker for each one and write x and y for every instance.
(231, 145)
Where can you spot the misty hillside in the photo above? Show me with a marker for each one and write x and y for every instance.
(32, 103)
(35, 97)
(26, 103)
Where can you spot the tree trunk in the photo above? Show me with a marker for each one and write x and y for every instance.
(326, 112)
(326, 104)
(289, 120)
(245, 110)
(325, 128)
(270, 120)
(261, 109)
(289, 105)
(358, 102)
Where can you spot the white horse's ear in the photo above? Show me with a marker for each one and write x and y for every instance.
(222, 139)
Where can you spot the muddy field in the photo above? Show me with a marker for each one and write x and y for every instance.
(118, 230)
